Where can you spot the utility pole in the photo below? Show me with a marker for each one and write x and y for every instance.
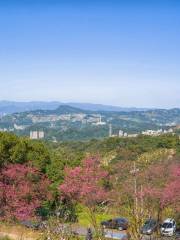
(142, 202)
(134, 172)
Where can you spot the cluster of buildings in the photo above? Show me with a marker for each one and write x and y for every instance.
(74, 117)
(19, 127)
(125, 134)
(49, 118)
(94, 119)
(157, 132)
(6, 129)
(121, 133)
(150, 132)
(99, 122)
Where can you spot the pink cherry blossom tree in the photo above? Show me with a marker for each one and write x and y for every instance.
(84, 184)
(161, 186)
(22, 190)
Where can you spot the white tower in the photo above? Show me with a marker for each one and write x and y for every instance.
(110, 130)
(100, 119)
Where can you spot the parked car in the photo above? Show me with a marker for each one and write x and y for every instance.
(168, 228)
(116, 223)
(150, 226)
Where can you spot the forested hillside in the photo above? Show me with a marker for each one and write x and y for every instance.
(43, 174)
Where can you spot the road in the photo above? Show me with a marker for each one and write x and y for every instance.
(113, 234)
(157, 238)
(16, 234)
(176, 237)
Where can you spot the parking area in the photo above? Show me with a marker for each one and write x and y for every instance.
(115, 234)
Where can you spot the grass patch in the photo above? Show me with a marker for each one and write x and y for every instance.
(84, 217)
(15, 231)
(5, 238)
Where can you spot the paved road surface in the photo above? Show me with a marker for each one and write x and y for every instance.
(115, 234)
(155, 238)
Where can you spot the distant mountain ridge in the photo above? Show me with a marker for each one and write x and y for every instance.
(146, 114)
(62, 109)
(9, 107)
(102, 107)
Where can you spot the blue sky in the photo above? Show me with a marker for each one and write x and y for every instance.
(124, 53)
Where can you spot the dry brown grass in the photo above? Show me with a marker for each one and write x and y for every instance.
(18, 232)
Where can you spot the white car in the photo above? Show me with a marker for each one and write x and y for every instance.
(168, 227)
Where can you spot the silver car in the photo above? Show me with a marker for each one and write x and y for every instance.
(168, 228)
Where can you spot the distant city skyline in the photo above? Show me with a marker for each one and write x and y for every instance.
(120, 53)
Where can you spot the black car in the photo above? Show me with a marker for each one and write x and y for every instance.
(116, 223)
(150, 226)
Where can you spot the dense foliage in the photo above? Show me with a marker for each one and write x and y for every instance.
(20, 150)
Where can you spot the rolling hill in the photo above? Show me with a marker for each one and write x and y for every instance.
(9, 107)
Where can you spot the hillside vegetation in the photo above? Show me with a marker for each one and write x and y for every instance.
(93, 177)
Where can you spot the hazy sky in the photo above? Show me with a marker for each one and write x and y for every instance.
(124, 53)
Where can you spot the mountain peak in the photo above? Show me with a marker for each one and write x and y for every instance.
(65, 109)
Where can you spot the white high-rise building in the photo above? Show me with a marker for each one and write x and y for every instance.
(121, 133)
(36, 134)
(41, 134)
